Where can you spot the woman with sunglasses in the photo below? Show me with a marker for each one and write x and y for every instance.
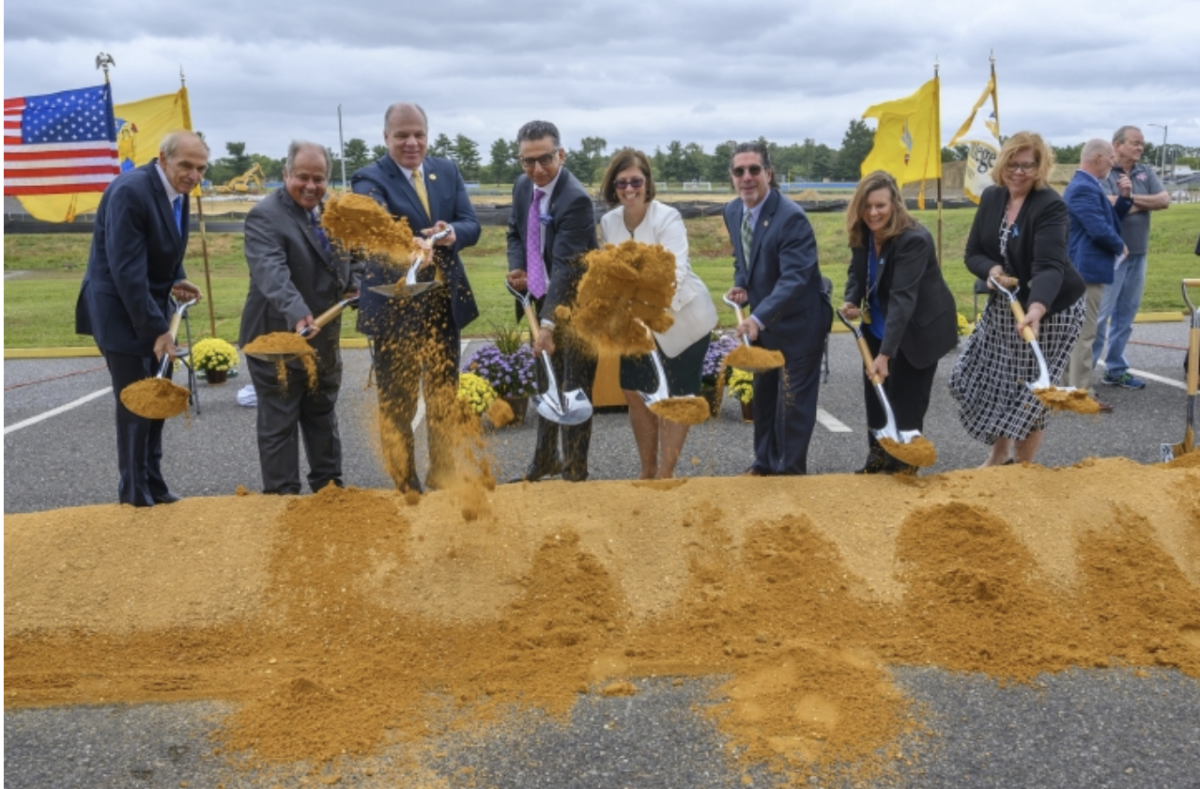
(908, 316)
(1019, 237)
(628, 188)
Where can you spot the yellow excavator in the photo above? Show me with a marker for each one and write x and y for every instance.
(249, 182)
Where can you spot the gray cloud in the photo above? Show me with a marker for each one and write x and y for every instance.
(639, 73)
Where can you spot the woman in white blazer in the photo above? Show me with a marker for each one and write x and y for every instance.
(628, 187)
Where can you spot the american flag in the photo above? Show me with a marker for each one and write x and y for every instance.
(60, 143)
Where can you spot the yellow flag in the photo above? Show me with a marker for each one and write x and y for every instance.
(141, 125)
(982, 148)
(908, 137)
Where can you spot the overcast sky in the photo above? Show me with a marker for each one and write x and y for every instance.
(635, 72)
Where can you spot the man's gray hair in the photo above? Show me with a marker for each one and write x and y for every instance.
(1094, 147)
(1122, 133)
(400, 105)
(297, 146)
(171, 142)
(539, 130)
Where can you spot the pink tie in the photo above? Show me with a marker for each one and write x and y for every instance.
(535, 268)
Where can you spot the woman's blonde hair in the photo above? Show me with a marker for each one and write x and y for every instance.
(856, 228)
(1025, 141)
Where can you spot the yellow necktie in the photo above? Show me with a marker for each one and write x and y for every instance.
(419, 185)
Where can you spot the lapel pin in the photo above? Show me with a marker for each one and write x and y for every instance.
(433, 176)
(766, 222)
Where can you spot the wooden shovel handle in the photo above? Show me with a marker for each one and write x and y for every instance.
(175, 321)
(867, 359)
(1027, 332)
(531, 317)
(328, 315)
(1191, 283)
(1193, 368)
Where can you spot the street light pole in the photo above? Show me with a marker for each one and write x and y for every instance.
(1163, 156)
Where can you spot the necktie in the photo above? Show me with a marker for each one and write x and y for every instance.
(177, 205)
(535, 267)
(320, 231)
(419, 185)
(747, 237)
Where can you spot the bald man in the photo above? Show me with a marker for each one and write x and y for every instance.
(1095, 246)
(135, 265)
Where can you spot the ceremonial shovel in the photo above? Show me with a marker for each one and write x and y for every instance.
(569, 408)
(889, 430)
(164, 403)
(754, 370)
(1172, 451)
(321, 320)
(411, 287)
(1043, 379)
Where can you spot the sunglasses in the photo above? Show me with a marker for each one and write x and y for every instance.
(635, 183)
(1025, 167)
(545, 160)
(754, 169)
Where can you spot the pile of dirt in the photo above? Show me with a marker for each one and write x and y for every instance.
(753, 358)
(919, 452)
(359, 223)
(626, 288)
(1074, 400)
(283, 346)
(155, 398)
(349, 620)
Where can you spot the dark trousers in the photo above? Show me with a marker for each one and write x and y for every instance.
(575, 368)
(139, 441)
(289, 410)
(907, 388)
(423, 351)
(785, 413)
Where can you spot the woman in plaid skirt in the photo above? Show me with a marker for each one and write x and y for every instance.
(1019, 233)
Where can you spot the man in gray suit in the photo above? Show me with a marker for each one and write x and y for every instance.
(294, 275)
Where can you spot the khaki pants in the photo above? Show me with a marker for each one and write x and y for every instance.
(1079, 370)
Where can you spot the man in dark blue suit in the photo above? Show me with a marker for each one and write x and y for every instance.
(418, 338)
(547, 239)
(135, 264)
(1095, 245)
(775, 270)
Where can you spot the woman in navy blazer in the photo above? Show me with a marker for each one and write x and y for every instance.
(1019, 233)
(909, 320)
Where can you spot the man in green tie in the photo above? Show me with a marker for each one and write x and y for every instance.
(417, 339)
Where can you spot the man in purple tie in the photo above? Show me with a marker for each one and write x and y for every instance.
(552, 226)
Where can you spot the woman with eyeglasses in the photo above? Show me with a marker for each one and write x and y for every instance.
(628, 187)
(1019, 237)
(909, 321)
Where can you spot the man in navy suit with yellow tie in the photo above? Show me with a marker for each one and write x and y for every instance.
(135, 264)
(417, 339)
(775, 270)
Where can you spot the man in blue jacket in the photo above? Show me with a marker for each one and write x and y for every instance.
(417, 339)
(1095, 246)
(135, 265)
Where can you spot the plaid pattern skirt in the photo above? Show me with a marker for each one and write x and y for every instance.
(989, 378)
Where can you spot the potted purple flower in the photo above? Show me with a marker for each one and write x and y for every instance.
(509, 366)
(712, 377)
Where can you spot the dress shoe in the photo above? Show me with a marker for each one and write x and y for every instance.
(1105, 408)
(166, 498)
(412, 483)
(755, 471)
(534, 474)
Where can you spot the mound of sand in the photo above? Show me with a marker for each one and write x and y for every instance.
(347, 620)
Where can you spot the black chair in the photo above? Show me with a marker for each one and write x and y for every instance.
(184, 355)
(981, 289)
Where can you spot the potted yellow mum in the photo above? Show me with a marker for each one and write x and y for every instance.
(216, 358)
(741, 388)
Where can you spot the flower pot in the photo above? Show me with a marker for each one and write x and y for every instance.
(747, 411)
(216, 376)
(710, 394)
(519, 406)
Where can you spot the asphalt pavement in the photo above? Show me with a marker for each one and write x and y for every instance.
(1086, 728)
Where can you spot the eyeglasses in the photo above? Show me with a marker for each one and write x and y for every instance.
(754, 170)
(545, 160)
(1025, 167)
(634, 183)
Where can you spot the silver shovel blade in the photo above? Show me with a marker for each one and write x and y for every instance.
(403, 289)
(576, 409)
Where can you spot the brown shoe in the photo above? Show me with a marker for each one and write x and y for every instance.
(1105, 408)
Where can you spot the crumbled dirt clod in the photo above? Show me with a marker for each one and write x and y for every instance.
(1075, 400)
(281, 346)
(684, 410)
(155, 398)
(500, 413)
(626, 288)
(357, 222)
(747, 357)
(919, 452)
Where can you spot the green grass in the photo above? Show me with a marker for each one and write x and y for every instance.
(39, 307)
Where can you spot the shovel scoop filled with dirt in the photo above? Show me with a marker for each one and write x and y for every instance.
(158, 397)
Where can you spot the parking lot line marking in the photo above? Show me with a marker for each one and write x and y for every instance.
(33, 420)
(1150, 376)
(831, 422)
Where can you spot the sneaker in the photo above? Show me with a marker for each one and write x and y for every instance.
(1124, 379)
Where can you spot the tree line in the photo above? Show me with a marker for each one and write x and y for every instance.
(678, 162)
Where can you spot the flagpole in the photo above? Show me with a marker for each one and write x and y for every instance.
(342, 144)
(212, 317)
(995, 93)
(937, 126)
